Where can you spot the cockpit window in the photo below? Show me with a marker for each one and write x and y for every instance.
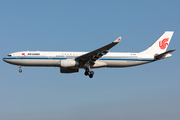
(9, 55)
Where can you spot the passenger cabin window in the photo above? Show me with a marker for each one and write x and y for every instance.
(9, 55)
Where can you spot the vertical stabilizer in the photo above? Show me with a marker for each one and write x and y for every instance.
(161, 44)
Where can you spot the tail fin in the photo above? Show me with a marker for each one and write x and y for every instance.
(161, 44)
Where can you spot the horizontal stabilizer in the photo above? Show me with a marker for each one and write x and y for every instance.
(163, 55)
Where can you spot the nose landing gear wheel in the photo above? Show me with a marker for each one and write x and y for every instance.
(20, 70)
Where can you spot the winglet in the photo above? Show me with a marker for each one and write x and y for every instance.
(118, 40)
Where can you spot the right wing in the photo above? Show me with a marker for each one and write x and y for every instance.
(91, 57)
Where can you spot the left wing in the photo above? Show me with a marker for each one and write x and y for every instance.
(96, 54)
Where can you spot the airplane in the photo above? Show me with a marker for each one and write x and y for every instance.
(71, 62)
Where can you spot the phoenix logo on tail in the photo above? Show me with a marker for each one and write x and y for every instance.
(163, 43)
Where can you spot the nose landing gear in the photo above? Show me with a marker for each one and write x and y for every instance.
(20, 70)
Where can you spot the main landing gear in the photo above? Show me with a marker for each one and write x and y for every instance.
(87, 71)
(20, 69)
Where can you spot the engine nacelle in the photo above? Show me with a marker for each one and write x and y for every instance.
(68, 70)
(69, 63)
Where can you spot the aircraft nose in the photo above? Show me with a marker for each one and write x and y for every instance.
(4, 59)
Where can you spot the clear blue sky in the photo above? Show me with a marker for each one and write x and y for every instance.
(147, 92)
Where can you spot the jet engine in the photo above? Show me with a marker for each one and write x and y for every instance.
(69, 63)
(68, 70)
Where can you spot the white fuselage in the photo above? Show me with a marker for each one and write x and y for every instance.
(53, 59)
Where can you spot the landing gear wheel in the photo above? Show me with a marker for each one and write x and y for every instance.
(86, 73)
(91, 74)
(20, 70)
(87, 70)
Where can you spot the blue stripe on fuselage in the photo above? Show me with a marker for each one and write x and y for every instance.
(121, 59)
(63, 58)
